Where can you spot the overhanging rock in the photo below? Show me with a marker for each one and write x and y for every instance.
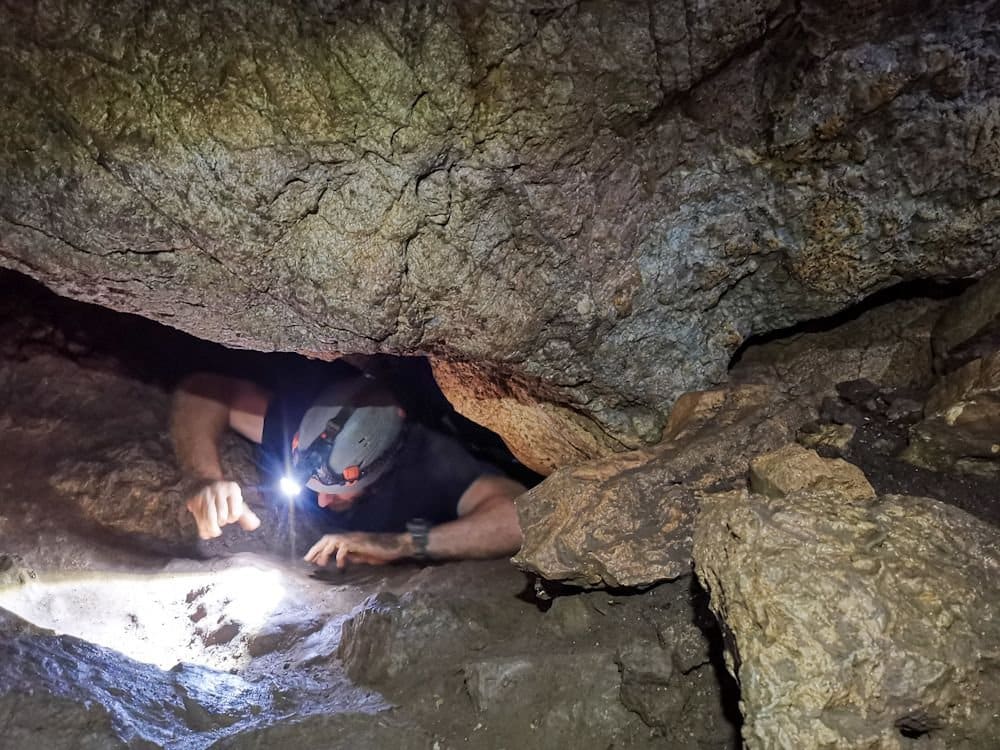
(602, 199)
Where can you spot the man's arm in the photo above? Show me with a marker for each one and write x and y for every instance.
(487, 527)
(204, 406)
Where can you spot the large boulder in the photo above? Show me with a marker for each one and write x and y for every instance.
(856, 623)
(628, 520)
(601, 200)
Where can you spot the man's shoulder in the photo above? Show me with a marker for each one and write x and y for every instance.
(439, 455)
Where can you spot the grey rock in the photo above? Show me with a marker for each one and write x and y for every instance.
(490, 682)
(574, 615)
(856, 624)
(12, 625)
(32, 720)
(663, 685)
(387, 635)
(646, 663)
(905, 410)
(602, 201)
(72, 693)
(566, 697)
(341, 731)
(279, 636)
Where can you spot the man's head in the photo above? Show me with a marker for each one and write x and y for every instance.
(347, 439)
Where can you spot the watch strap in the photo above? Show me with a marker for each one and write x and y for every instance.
(419, 531)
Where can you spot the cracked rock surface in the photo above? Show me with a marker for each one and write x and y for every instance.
(856, 623)
(602, 200)
(629, 519)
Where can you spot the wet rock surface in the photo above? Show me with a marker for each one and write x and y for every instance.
(856, 624)
(599, 200)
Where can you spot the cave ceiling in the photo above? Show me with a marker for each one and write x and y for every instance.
(597, 202)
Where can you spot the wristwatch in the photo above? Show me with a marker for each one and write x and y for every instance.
(420, 531)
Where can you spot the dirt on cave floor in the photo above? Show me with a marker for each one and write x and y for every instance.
(135, 634)
(881, 418)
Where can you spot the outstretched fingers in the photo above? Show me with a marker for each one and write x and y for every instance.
(336, 546)
(319, 553)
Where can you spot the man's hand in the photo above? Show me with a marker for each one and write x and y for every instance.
(220, 503)
(358, 546)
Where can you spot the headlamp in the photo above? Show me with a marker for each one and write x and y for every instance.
(313, 461)
(289, 487)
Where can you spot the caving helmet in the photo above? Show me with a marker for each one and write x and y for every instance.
(349, 436)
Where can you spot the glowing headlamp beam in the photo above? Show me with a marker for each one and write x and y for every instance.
(289, 487)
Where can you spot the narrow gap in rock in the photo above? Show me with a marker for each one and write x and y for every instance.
(873, 369)
(906, 290)
(729, 688)
(916, 725)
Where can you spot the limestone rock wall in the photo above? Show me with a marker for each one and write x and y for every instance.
(603, 199)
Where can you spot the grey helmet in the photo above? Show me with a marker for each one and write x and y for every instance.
(348, 437)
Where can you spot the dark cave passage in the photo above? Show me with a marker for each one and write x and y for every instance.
(918, 289)
(225, 637)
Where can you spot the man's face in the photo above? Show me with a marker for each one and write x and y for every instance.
(340, 501)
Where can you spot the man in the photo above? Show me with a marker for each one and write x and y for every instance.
(390, 488)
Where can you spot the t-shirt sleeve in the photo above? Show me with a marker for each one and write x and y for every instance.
(449, 469)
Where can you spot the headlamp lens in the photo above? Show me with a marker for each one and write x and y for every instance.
(289, 487)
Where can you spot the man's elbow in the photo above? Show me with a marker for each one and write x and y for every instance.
(508, 528)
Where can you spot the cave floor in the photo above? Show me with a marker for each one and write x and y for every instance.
(119, 629)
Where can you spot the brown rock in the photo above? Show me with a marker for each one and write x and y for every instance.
(834, 436)
(969, 328)
(544, 436)
(856, 625)
(223, 634)
(627, 520)
(794, 468)
(961, 429)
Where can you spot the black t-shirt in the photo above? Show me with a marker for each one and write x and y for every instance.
(428, 476)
